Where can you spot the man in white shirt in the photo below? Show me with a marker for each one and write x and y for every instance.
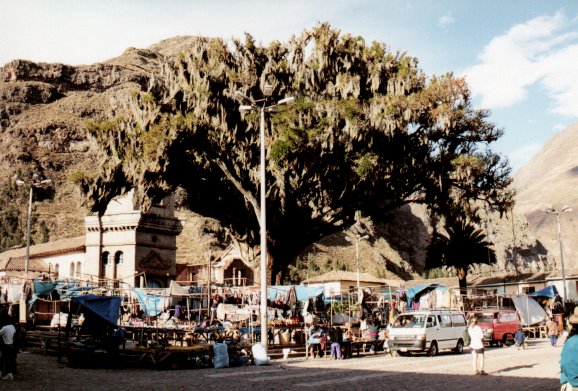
(8, 358)
(477, 346)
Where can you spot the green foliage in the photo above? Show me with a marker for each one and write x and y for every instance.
(13, 218)
(368, 132)
(312, 266)
(439, 272)
(463, 246)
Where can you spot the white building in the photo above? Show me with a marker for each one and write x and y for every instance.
(124, 245)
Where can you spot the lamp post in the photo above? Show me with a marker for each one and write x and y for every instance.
(565, 209)
(34, 182)
(261, 105)
(358, 237)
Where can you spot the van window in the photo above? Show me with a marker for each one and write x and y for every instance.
(445, 320)
(431, 321)
(409, 321)
(485, 317)
(507, 317)
(458, 320)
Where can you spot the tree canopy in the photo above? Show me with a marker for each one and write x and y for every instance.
(369, 132)
(463, 246)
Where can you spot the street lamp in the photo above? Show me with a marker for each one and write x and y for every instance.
(32, 183)
(357, 238)
(262, 107)
(565, 209)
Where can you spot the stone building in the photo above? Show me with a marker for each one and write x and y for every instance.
(124, 246)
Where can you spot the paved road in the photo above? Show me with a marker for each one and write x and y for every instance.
(533, 369)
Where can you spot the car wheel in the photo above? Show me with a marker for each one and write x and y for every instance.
(459, 349)
(433, 349)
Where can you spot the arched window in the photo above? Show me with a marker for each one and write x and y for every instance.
(105, 258)
(118, 257)
(71, 269)
(79, 269)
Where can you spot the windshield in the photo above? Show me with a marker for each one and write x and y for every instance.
(484, 318)
(409, 321)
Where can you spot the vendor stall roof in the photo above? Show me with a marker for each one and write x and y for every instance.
(549, 291)
(341, 275)
(106, 307)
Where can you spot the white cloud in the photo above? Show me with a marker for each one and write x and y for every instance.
(542, 52)
(522, 155)
(446, 20)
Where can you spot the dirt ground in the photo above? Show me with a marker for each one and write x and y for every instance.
(536, 368)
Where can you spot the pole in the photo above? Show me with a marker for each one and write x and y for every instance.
(263, 238)
(561, 259)
(357, 259)
(28, 231)
(210, 312)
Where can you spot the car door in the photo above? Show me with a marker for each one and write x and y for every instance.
(446, 337)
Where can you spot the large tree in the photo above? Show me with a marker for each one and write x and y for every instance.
(462, 246)
(369, 132)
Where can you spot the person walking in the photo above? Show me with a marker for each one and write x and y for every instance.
(477, 346)
(569, 357)
(553, 331)
(520, 339)
(8, 357)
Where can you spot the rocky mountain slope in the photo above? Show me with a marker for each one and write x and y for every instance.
(550, 179)
(44, 109)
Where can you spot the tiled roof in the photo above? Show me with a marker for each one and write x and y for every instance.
(19, 264)
(507, 278)
(447, 281)
(61, 246)
(340, 275)
(15, 259)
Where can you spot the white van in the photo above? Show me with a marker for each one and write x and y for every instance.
(427, 331)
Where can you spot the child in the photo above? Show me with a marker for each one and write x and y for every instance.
(520, 339)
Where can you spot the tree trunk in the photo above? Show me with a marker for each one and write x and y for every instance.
(462, 276)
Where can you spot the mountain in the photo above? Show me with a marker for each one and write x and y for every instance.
(550, 179)
(44, 110)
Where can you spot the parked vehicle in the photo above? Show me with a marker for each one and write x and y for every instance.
(427, 331)
(498, 325)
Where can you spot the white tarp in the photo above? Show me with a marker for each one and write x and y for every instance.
(530, 311)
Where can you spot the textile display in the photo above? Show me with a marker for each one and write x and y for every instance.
(150, 303)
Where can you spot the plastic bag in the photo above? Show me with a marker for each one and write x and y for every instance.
(260, 354)
(221, 356)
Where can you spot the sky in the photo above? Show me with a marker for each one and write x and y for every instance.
(519, 57)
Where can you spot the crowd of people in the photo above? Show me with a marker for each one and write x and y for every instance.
(340, 340)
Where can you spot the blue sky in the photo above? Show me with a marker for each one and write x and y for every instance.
(520, 57)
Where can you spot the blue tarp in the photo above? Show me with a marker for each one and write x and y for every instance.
(414, 291)
(303, 292)
(65, 290)
(272, 291)
(549, 291)
(106, 307)
(150, 303)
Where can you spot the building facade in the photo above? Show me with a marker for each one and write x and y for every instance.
(124, 247)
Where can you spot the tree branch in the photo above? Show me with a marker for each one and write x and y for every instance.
(246, 193)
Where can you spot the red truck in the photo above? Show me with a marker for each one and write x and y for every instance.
(499, 326)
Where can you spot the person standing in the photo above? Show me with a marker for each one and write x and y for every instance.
(553, 331)
(569, 357)
(520, 339)
(8, 357)
(477, 346)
